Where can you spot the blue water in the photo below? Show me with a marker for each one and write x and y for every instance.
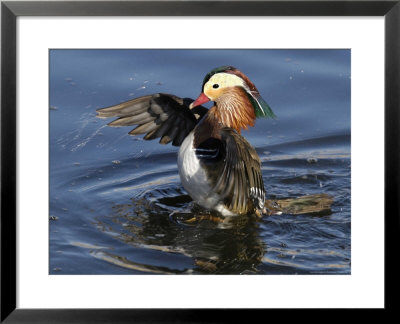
(111, 194)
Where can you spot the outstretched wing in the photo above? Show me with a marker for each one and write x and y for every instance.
(234, 168)
(157, 115)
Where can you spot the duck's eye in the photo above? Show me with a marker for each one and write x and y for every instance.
(215, 86)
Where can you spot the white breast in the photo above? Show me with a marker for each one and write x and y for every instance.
(193, 177)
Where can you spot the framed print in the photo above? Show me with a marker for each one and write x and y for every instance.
(277, 180)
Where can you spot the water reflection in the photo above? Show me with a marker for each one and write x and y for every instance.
(235, 247)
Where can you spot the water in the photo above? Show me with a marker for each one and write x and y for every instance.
(112, 194)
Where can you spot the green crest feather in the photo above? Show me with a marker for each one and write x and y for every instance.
(261, 108)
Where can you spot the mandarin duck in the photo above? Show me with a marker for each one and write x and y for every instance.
(218, 167)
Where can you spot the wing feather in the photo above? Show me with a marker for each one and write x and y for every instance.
(132, 120)
(234, 172)
(157, 115)
(127, 108)
(244, 189)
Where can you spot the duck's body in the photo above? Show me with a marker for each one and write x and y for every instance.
(218, 168)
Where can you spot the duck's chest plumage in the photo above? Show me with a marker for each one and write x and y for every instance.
(192, 175)
(195, 175)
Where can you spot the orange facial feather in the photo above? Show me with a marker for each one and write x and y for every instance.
(234, 109)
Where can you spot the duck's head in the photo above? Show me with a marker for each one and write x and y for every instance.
(231, 89)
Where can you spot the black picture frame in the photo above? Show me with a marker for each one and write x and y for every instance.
(10, 10)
